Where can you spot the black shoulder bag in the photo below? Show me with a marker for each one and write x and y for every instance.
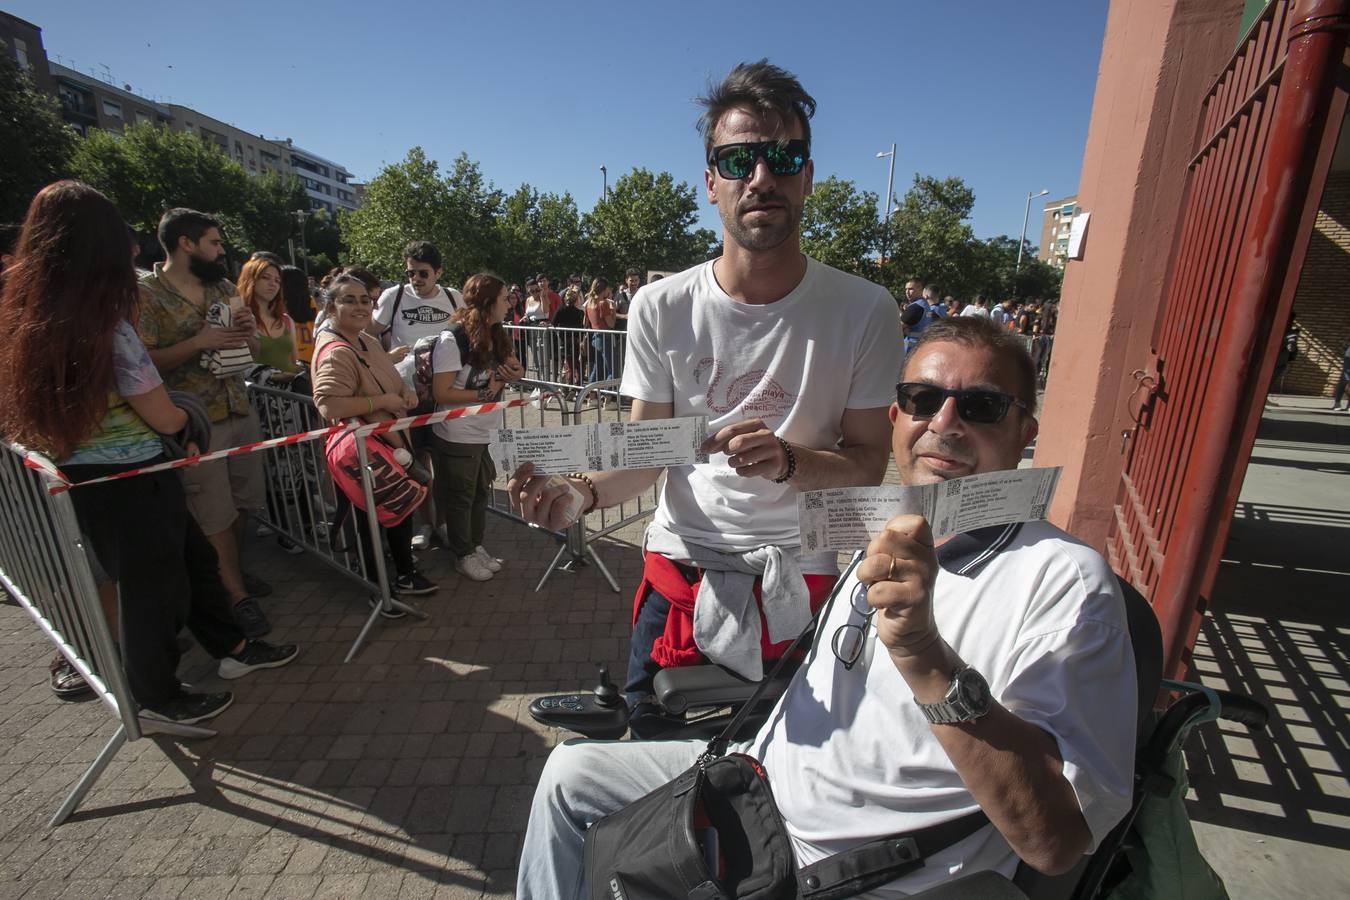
(661, 846)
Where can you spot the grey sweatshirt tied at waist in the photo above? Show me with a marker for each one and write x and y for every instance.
(726, 618)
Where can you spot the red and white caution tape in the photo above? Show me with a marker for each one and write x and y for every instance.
(61, 483)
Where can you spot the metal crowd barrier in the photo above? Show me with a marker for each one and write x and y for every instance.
(44, 567)
(306, 508)
(569, 357)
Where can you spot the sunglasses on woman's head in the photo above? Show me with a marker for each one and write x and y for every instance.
(737, 161)
(922, 401)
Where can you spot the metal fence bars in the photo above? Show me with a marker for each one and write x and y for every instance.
(305, 507)
(44, 567)
(569, 357)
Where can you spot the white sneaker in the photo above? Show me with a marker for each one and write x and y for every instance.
(492, 563)
(472, 567)
(422, 540)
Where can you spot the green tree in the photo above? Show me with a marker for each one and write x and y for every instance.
(839, 226)
(269, 217)
(646, 221)
(994, 272)
(538, 231)
(929, 238)
(37, 143)
(147, 169)
(412, 200)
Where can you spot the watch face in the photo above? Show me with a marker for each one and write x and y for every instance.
(974, 691)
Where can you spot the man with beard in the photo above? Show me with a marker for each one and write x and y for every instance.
(793, 363)
(175, 298)
(992, 673)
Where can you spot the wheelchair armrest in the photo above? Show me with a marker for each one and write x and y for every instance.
(677, 690)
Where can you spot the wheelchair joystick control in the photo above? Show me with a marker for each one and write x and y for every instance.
(606, 693)
(598, 713)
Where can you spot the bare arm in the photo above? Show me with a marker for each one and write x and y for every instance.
(158, 411)
(1012, 768)
(537, 502)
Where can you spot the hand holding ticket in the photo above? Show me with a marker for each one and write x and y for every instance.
(601, 446)
(848, 518)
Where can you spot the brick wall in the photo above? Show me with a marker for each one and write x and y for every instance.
(1322, 302)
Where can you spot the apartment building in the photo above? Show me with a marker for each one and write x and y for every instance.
(329, 186)
(23, 41)
(252, 151)
(1057, 219)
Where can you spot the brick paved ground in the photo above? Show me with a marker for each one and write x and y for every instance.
(406, 773)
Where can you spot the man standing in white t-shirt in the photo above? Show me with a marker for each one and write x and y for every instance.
(794, 364)
(404, 314)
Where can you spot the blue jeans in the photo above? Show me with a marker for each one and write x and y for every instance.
(602, 365)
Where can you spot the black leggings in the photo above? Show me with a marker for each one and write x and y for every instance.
(167, 573)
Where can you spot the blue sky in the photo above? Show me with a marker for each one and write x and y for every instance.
(998, 93)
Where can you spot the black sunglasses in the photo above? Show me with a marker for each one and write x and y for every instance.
(414, 274)
(922, 401)
(737, 161)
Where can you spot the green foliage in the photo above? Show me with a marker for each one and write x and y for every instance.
(840, 228)
(411, 200)
(539, 232)
(268, 218)
(646, 221)
(146, 169)
(37, 143)
(994, 271)
(929, 238)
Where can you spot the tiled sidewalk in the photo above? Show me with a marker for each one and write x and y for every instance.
(405, 773)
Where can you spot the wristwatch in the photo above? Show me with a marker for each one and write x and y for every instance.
(967, 699)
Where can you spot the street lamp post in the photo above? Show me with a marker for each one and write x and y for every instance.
(300, 216)
(886, 219)
(1020, 244)
(604, 183)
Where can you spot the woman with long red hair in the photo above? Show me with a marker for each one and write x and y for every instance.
(77, 384)
(472, 363)
(260, 286)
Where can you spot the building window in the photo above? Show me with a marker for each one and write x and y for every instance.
(112, 110)
(21, 52)
(142, 118)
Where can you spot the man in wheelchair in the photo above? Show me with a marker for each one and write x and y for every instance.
(992, 672)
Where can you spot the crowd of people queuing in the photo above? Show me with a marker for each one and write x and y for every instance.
(157, 339)
(1003, 698)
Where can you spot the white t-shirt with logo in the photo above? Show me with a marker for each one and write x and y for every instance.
(851, 757)
(831, 344)
(470, 429)
(417, 317)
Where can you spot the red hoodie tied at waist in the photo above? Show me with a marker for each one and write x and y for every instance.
(675, 647)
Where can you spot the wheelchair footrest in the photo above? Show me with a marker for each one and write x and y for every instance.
(583, 713)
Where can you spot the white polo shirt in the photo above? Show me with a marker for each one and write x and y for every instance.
(851, 758)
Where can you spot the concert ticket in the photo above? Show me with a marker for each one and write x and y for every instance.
(848, 518)
(599, 446)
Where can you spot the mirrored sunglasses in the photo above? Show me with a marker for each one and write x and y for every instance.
(737, 161)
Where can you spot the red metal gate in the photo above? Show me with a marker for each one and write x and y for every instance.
(1267, 128)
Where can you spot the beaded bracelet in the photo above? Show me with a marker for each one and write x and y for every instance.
(792, 461)
(370, 402)
(595, 494)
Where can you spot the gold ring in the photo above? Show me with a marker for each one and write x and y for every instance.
(890, 571)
